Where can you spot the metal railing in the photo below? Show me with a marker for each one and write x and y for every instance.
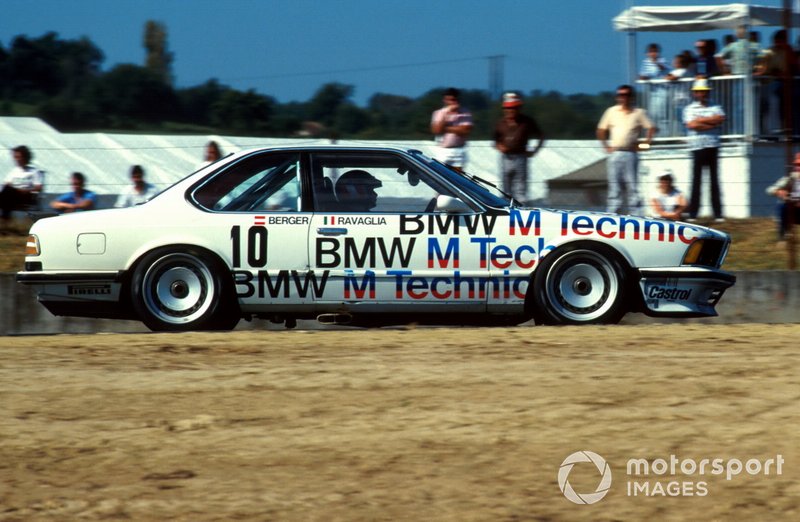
(753, 106)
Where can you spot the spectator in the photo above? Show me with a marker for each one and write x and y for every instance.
(511, 136)
(723, 63)
(451, 125)
(212, 153)
(77, 200)
(680, 67)
(668, 202)
(741, 55)
(619, 131)
(680, 91)
(691, 63)
(654, 67)
(777, 62)
(787, 190)
(703, 122)
(706, 61)
(22, 185)
(139, 192)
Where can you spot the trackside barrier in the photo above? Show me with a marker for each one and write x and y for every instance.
(757, 297)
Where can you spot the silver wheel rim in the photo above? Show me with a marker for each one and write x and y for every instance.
(582, 286)
(178, 288)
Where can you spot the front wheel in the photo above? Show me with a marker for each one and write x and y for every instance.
(183, 290)
(579, 284)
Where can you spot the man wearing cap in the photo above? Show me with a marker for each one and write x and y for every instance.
(511, 136)
(704, 122)
(619, 131)
(787, 190)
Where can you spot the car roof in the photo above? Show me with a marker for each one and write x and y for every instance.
(326, 148)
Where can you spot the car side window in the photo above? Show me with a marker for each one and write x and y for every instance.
(347, 182)
(264, 183)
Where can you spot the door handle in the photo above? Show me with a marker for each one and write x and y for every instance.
(331, 231)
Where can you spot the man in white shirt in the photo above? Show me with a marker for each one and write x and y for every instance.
(22, 185)
(619, 131)
(137, 193)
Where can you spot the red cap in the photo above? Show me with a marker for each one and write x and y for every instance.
(511, 99)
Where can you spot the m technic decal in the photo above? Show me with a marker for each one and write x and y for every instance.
(529, 223)
(621, 227)
(445, 287)
(490, 254)
(457, 287)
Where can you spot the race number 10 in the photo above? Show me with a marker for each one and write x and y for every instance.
(256, 245)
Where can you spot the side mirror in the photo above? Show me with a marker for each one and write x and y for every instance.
(451, 205)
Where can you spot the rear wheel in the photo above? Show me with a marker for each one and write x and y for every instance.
(579, 284)
(184, 290)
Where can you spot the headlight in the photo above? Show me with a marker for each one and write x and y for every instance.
(32, 246)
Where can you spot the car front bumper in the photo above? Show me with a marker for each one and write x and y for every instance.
(683, 292)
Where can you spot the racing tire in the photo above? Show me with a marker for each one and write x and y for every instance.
(582, 283)
(184, 290)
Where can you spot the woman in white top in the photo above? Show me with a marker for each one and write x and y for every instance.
(668, 202)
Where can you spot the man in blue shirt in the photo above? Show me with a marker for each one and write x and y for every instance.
(704, 122)
(77, 200)
(655, 68)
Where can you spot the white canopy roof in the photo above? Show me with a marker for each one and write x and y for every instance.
(699, 18)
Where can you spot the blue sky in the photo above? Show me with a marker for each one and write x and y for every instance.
(287, 49)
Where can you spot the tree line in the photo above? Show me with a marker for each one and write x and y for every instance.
(62, 81)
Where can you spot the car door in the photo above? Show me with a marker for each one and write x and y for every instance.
(259, 200)
(376, 236)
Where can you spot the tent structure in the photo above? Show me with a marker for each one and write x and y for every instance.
(106, 158)
(699, 18)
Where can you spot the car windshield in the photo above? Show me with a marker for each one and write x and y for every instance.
(478, 188)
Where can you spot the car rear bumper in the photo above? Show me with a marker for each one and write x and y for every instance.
(80, 294)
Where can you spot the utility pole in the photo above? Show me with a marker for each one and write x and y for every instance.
(496, 64)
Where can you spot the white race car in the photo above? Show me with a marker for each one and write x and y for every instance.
(364, 236)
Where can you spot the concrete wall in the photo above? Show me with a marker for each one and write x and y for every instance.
(765, 297)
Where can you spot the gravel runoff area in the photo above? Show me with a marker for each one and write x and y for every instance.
(402, 424)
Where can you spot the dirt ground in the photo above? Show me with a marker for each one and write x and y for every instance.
(407, 424)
